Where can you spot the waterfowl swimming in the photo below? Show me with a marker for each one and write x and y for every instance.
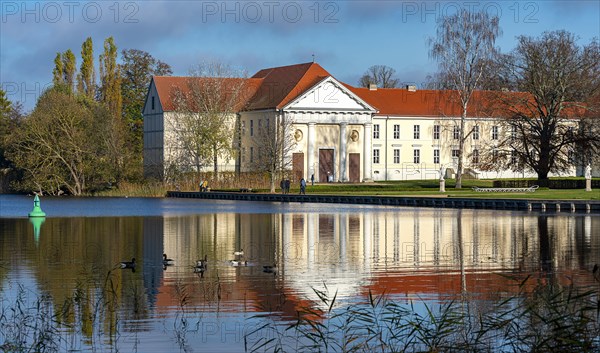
(203, 263)
(270, 268)
(167, 262)
(239, 253)
(239, 262)
(128, 264)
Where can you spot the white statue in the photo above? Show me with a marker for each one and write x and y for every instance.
(442, 173)
(588, 171)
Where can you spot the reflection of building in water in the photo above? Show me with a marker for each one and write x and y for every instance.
(408, 251)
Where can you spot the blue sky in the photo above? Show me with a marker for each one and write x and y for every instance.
(346, 37)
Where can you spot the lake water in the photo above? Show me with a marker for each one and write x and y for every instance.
(69, 262)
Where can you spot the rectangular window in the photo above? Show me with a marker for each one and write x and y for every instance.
(152, 102)
(513, 131)
(571, 156)
(475, 157)
(243, 154)
(476, 132)
(417, 132)
(494, 132)
(376, 156)
(436, 156)
(456, 133)
(376, 131)
(251, 153)
(417, 156)
(260, 127)
(436, 132)
(251, 127)
(243, 127)
(454, 153)
(495, 155)
(396, 132)
(396, 156)
(513, 157)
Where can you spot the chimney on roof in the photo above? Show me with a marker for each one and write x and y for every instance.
(411, 88)
(372, 87)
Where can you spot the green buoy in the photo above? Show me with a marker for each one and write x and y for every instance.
(37, 225)
(37, 210)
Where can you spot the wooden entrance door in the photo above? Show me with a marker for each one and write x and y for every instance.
(354, 166)
(325, 164)
(298, 166)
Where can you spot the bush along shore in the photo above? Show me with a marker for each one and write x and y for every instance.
(396, 188)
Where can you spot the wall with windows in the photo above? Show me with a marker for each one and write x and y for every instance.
(408, 148)
(253, 127)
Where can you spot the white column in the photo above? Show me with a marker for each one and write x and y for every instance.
(367, 158)
(367, 240)
(343, 221)
(286, 239)
(311, 243)
(311, 142)
(343, 177)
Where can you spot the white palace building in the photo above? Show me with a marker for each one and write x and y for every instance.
(340, 132)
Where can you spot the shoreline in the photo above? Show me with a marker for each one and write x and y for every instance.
(409, 201)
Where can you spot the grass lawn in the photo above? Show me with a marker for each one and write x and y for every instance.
(430, 188)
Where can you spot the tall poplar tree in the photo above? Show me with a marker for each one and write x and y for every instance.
(110, 78)
(58, 74)
(87, 77)
(69, 68)
(110, 95)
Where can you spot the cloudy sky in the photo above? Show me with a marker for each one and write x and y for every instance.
(345, 37)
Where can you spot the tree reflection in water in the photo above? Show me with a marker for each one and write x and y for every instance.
(387, 279)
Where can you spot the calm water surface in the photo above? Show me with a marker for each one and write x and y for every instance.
(71, 259)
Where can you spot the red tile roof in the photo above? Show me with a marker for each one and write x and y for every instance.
(273, 88)
(168, 86)
(282, 84)
(425, 103)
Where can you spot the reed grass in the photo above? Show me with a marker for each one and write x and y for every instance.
(544, 316)
(551, 318)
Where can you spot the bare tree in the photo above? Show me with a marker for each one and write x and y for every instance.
(274, 143)
(59, 148)
(464, 46)
(381, 75)
(205, 111)
(549, 126)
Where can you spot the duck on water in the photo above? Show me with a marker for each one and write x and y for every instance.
(128, 264)
(167, 261)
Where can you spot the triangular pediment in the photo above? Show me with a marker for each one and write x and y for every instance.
(328, 95)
